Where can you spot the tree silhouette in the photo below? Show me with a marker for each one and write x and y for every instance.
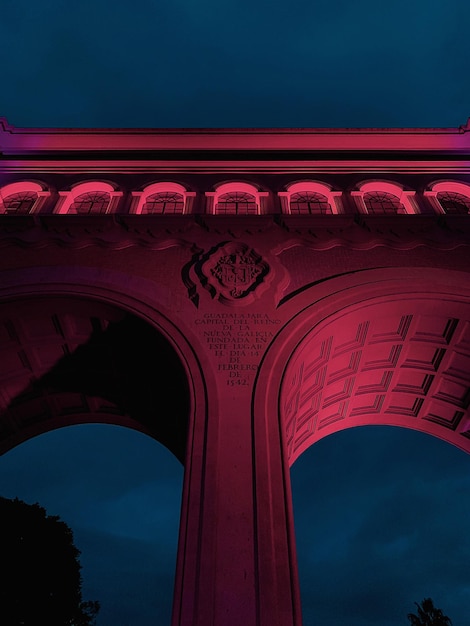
(40, 570)
(428, 615)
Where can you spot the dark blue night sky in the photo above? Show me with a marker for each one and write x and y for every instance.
(381, 514)
(235, 63)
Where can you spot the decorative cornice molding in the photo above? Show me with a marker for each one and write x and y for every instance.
(33, 140)
(333, 166)
(116, 232)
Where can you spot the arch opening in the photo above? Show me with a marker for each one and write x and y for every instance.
(120, 493)
(71, 361)
(380, 521)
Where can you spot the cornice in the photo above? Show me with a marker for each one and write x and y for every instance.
(405, 166)
(116, 232)
(35, 140)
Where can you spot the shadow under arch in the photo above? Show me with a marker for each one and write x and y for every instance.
(154, 304)
(71, 343)
(383, 346)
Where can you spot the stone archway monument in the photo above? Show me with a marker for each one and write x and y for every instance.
(236, 327)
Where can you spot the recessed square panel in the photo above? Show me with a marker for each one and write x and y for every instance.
(435, 329)
(390, 329)
(454, 392)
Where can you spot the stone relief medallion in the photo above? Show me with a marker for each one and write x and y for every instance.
(231, 272)
(237, 272)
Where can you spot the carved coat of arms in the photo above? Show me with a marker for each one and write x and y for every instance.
(232, 271)
(237, 272)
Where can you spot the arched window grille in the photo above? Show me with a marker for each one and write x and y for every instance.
(165, 202)
(380, 197)
(22, 197)
(88, 198)
(20, 203)
(236, 203)
(381, 202)
(91, 202)
(163, 198)
(454, 203)
(309, 203)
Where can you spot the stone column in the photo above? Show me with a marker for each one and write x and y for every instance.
(236, 564)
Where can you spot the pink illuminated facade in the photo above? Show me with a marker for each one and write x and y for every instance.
(237, 295)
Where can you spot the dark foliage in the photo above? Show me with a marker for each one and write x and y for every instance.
(428, 615)
(40, 570)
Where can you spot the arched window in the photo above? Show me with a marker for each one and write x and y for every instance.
(381, 202)
(162, 199)
(450, 197)
(453, 202)
(20, 203)
(236, 203)
(91, 198)
(384, 198)
(308, 202)
(235, 199)
(21, 198)
(310, 198)
(90, 202)
(164, 202)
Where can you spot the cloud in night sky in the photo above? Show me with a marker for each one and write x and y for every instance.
(381, 514)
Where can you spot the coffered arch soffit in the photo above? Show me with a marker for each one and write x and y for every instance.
(383, 347)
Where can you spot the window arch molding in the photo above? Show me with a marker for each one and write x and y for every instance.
(406, 198)
(213, 197)
(67, 198)
(24, 187)
(139, 197)
(311, 186)
(453, 187)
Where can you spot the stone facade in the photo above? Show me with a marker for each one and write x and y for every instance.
(238, 295)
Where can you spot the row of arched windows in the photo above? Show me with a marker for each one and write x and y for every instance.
(236, 198)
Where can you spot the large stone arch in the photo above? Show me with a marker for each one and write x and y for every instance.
(54, 316)
(340, 358)
(364, 326)
(113, 293)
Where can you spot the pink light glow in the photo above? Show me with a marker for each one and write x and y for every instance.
(405, 198)
(69, 197)
(23, 187)
(225, 189)
(140, 197)
(309, 186)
